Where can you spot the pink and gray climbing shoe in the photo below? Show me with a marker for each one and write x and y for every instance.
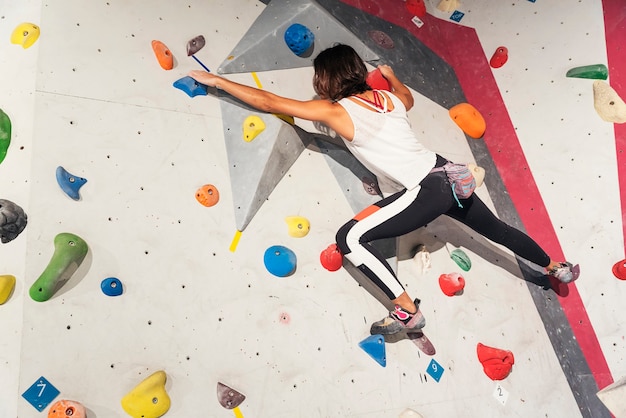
(399, 320)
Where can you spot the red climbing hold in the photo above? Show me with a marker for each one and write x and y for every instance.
(497, 363)
(416, 7)
(499, 57)
(331, 258)
(376, 80)
(619, 270)
(451, 283)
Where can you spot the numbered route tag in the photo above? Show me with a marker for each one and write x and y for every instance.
(457, 15)
(417, 21)
(434, 370)
(501, 394)
(40, 394)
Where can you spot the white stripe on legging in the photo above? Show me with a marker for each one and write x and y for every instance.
(359, 255)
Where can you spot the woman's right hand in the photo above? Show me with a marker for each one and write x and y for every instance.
(386, 71)
(204, 77)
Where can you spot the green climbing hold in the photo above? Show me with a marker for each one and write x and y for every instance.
(5, 134)
(461, 259)
(596, 71)
(69, 252)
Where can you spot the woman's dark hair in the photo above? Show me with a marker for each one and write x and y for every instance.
(339, 73)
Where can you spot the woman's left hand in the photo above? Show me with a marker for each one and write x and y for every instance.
(205, 78)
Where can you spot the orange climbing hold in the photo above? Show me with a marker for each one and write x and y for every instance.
(497, 363)
(163, 55)
(469, 119)
(208, 195)
(67, 409)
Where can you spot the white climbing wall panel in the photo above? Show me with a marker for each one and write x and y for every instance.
(90, 96)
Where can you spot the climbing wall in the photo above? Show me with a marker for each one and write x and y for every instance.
(199, 306)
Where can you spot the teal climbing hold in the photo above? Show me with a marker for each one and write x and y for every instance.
(595, 71)
(374, 346)
(461, 259)
(5, 134)
(280, 261)
(191, 87)
(69, 183)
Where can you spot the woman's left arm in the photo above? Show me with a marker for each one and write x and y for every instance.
(263, 100)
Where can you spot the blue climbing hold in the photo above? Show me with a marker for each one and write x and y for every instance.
(191, 87)
(112, 286)
(374, 346)
(69, 183)
(280, 261)
(299, 38)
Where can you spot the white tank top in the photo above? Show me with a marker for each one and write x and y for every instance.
(385, 143)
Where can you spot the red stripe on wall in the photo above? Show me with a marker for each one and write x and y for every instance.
(460, 47)
(615, 33)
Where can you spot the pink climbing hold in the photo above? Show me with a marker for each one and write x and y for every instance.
(416, 7)
(376, 80)
(451, 283)
(331, 258)
(499, 57)
(497, 363)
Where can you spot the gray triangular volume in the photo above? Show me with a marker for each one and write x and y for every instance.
(256, 167)
(263, 47)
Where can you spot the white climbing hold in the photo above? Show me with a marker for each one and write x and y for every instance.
(607, 103)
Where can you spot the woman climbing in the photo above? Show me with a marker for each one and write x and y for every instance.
(375, 128)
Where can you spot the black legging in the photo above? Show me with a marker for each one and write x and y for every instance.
(406, 211)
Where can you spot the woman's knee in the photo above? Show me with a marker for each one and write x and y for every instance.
(342, 237)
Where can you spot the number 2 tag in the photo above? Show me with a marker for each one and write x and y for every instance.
(501, 394)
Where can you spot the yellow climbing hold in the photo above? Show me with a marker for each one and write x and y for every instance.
(289, 119)
(298, 226)
(252, 126)
(25, 34)
(7, 284)
(148, 399)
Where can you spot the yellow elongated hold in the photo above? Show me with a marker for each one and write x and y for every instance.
(149, 398)
(252, 126)
(25, 34)
(298, 226)
(7, 284)
(289, 119)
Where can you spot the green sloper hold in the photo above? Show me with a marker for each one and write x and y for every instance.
(596, 71)
(461, 259)
(5, 134)
(69, 252)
